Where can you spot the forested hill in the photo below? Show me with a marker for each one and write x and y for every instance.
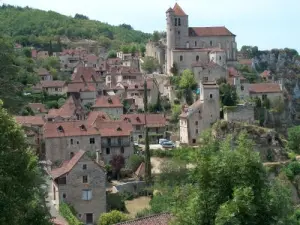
(29, 26)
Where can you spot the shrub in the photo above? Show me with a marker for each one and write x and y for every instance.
(112, 217)
(135, 161)
(143, 213)
(115, 202)
(66, 212)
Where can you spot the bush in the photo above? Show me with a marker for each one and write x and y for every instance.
(51, 104)
(112, 217)
(66, 212)
(127, 196)
(292, 169)
(115, 201)
(162, 153)
(143, 213)
(124, 172)
(135, 161)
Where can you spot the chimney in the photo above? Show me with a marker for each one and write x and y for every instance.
(97, 156)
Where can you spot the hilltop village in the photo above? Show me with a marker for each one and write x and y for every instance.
(93, 116)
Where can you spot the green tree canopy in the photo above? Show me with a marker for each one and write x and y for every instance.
(150, 64)
(21, 195)
(294, 139)
(187, 80)
(112, 54)
(112, 218)
(228, 95)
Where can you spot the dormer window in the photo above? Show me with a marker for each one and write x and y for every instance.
(109, 101)
(82, 127)
(138, 119)
(119, 129)
(60, 129)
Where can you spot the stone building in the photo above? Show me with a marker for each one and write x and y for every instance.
(82, 183)
(64, 139)
(111, 105)
(201, 115)
(52, 87)
(240, 113)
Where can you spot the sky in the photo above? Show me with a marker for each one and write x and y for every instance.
(264, 23)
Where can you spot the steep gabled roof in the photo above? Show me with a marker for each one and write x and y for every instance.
(67, 110)
(178, 10)
(30, 120)
(108, 102)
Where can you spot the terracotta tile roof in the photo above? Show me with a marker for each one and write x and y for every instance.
(33, 53)
(232, 72)
(140, 172)
(94, 115)
(38, 107)
(265, 88)
(79, 87)
(42, 72)
(209, 31)
(178, 10)
(87, 73)
(139, 85)
(57, 221)
(91, 58)
(73, 52)
(30, 120)
(67, 166)
(114, 61)
(153, 120)
(69, 128)
(115, 128)
(52, 83)
(158, 219)
(67, 110)
(108, 102)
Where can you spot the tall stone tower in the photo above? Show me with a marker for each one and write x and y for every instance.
(170, 38)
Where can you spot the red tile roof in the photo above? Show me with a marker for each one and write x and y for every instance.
(57, 221)
(209, 31)
(67, 166)
(94, 115)
(87, 73)
(33, 53)
(52, 83)
(30, 120)
(108, 102)
(91, 58)
(69, 128)
(153, 120)
(38, 107)
(79, 87)
(186, 110)
(115, 128)
(178, 10)
(159, 219)
(140, 172)
(140, 86)
(114, 61)
(67, 110)
(265, 88)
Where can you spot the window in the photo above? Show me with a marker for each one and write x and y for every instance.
(242, 88)
(196, 123)
(264, 97)
(210, 95)
(211, 43)
(86, 194)
(56, 89)
(194, 141)
(205, 79)
(140, 136)
(195, 43)
(197, 131)
(71, 155)
(84, 166)
(175, 21)
(178, 32)
(179, 22)
(62, 180)
(220, 58)
(197, 58)
(89, 218)
(92, 140)
(122, 150)
(181, 58)
(107, 151)
(64, 195)
(138, 127)
(71, 141)
(84, 179)
(78, 142)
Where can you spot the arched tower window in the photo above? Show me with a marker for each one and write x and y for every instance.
(181, 58)
(195, 43)
(179, 22)
(175, 21)
(197, 58)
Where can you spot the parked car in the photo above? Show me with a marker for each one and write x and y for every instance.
(168, 144)
(160, 141)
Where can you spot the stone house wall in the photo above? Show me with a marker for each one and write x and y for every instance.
(242, 113)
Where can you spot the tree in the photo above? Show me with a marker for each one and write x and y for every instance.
(150, 64)
(22, 199)
(61, 102)
(51, 62)
(112, 218)
(293, 139)
(125, 49)
(228, 95)
(155, 36)
(187, 80)
(126, 26)
(80, 16)
(135, 161)
(148, 177)
(174, 69)
(112, 54)
(117, 163)
(232, 187)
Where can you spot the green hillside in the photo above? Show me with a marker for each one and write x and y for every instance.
(29, 26)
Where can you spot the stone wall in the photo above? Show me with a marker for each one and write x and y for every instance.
(242, 113)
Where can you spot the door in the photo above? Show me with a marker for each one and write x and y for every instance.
(89, 218)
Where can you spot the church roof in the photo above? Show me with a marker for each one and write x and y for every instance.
(178, 10)
(209, 31)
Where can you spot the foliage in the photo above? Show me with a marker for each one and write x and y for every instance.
(293, 138)
(292, 170)
(176, 111)
(80, 16)
(112, 54)
(228, 95)
(251, 77)
(61, 102)
(135, 161)
(22, 192)
(155, 36)
(150, 64)
(148, 176)
(187, 80)
(117, 163)
(66, 212)
(277, 105)
(36, 27)
(112, 217)
(249, 51)
(115, 202)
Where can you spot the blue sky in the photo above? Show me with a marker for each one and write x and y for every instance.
(264, 23)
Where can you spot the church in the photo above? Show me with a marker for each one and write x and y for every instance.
(195, 48)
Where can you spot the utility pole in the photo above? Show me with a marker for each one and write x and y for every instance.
(147, 148)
